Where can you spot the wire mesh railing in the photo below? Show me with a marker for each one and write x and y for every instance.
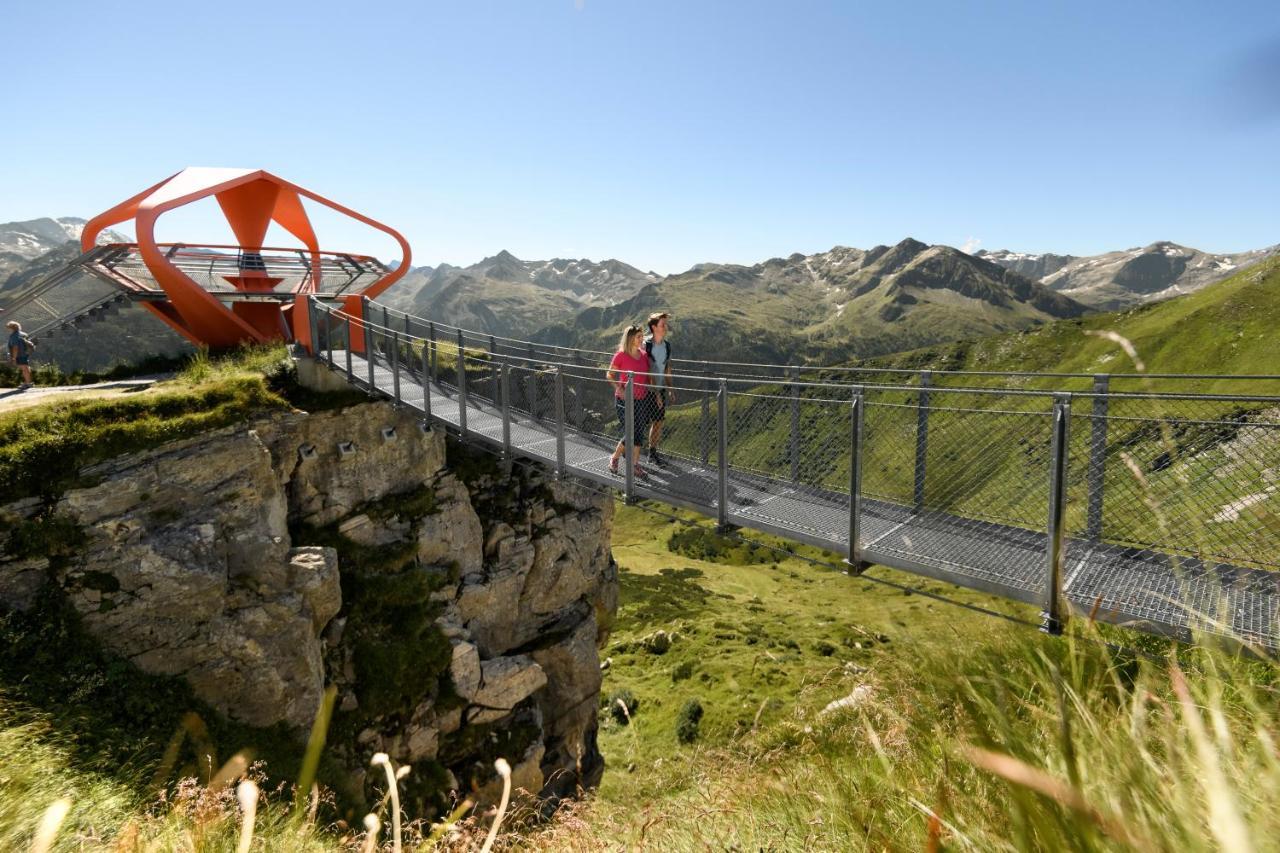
(1148, 507)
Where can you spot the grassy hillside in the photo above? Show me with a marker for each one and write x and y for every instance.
(1085, 748)
(1225, 328)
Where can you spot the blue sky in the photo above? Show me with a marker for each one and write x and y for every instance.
(667, 133)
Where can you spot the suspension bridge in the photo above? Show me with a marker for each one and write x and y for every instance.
(1137, 507)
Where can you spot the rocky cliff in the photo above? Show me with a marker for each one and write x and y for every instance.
(456, 603)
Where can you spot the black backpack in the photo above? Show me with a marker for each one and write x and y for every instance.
(648, 349)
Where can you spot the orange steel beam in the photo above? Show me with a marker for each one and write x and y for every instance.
(250, 199)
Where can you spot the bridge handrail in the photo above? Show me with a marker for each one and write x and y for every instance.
(709, 364)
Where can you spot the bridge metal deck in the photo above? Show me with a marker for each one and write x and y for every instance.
(1142, 588)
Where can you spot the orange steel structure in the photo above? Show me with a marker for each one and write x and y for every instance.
(250, 199)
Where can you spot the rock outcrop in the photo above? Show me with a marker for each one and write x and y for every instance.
(457, 604)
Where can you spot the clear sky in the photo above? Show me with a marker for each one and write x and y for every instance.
(667, 133)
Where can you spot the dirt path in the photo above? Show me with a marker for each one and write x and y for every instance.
(12, 399)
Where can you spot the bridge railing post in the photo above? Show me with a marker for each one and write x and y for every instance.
(629, 439)
(857, 417)
(395, 367)
(704, 429)
(578, 402)
(462, 384)
(531, 386)
(347, 330)
(922, 438)
(1097, 456)
(1054, 617)
(313, 324)
(793, 389)
(722, 474)
(368, 354)
(328, 336)
(431, 345)
(386, 318)
(493, 368)
(426, 378)
(559, 421)
(504, 390)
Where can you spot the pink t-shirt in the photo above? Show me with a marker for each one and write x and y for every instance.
(625, 364)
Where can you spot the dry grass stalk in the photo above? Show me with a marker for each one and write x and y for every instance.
(504, 770)
(50, 823)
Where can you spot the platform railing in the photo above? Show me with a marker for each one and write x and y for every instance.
(1152, 506)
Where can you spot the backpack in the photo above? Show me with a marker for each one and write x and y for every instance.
(648, 349)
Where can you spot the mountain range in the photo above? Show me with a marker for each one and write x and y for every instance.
(23, 242)
(1122, 279)
(503, 295)
(830, 306)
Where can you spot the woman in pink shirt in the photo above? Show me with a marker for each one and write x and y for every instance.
(630, 360)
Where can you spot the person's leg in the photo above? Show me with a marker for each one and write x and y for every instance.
(659, 415)
(620, 408)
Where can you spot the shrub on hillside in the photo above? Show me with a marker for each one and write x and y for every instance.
(687, 721)
(623, 706)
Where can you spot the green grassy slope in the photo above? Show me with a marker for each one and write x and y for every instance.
(1225, 328)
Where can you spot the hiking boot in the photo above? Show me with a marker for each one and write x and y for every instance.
(25, 385)
(640, 472)
(654, 458)
(613, 466)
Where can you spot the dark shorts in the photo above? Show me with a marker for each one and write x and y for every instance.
(23, 360)
(642, 418)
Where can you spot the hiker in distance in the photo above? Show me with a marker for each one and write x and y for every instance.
(658, 349)
(630, 361)
(20, 347)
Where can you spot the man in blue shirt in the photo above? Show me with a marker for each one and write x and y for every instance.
(659, 351)
(20, 352)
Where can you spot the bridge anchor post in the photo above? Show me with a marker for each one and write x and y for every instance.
(1054, 617)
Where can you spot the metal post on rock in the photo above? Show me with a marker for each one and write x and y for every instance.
(629, 438)
(1054, 617)
(559, 421)
(856, 417)
(722, 478)
(1097, 455)
(922, 437)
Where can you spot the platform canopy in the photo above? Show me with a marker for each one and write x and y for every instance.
(214, 295)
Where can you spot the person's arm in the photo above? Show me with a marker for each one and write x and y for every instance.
(13, 355)
(613, 376)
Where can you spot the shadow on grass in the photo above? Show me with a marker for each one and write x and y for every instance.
(671, 594)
